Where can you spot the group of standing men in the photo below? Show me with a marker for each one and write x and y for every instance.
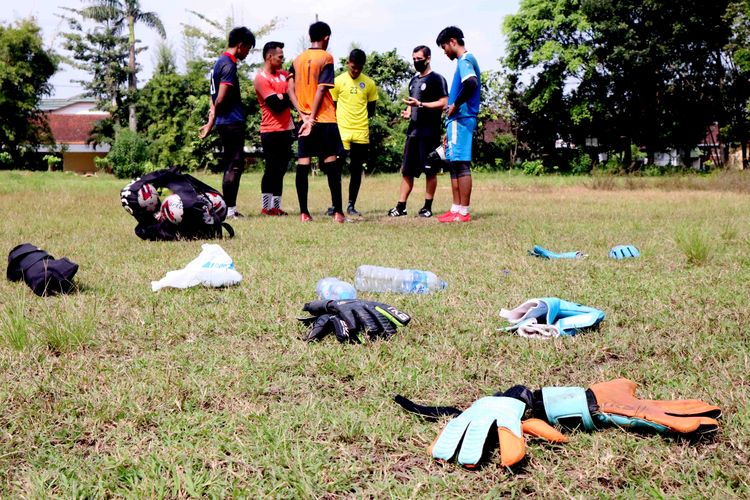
(333, 122)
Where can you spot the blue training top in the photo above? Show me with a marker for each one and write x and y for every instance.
(466, 68)
(225, 73)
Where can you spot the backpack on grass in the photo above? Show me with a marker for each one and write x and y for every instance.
(191, 210)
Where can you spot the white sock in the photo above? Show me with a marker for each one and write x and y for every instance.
(464, 210)
(231, 211)
(277, 202)
(455, 208)
(267, 200)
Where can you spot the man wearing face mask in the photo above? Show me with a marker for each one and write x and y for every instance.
(428, 96)
(355, 96)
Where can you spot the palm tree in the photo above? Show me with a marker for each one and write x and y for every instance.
(126, 13)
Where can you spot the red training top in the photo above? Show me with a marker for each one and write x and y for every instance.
(267, 85)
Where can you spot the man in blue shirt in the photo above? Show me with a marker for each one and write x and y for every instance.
(462, 111)
(228, 113)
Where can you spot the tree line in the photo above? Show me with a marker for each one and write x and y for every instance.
(625, 78)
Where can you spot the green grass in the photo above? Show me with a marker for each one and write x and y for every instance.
(118, 391)
(694, 244)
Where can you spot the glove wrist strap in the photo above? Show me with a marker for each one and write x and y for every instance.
(565, 403)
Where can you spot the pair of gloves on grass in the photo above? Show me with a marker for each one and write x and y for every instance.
(603, 404)
(352, 320)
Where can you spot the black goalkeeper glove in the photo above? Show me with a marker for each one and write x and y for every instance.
(350, 318)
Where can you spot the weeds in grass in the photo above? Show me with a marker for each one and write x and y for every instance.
(603, 182)
(62, 332)
(694, 244)
(730, 181)
(729, 232)
(15, 327)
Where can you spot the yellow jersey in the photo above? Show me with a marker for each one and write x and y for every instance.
(352, 97)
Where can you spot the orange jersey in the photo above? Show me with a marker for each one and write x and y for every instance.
(313, 69)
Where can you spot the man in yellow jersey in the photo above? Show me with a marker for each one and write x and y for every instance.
(310, 81)
(355, 96)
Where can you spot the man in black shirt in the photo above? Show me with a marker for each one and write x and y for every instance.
(227, 113)
(428, 96)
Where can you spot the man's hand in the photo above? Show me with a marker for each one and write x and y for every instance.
(305, 128)
(307, 124)
(204, 131)
(411, 101)
(450, 110)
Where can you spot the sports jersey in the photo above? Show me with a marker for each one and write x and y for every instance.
(267, 85)
(466, 68)
(429, 88)
(312, 69)
(224, 72)
(352, 97)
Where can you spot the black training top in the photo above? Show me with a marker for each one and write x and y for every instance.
(428, 88)
(225, 73)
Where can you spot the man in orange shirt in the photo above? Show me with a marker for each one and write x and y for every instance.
(310, 80)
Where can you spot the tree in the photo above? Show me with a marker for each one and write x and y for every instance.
(626, 72)
(25, 69)
(99, 49)
(736, 87)
(126, 13)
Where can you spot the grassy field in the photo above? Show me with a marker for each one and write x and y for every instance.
(118, 391)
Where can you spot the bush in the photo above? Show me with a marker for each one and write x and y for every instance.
(533, 167)
(581, 164)
(128, 155)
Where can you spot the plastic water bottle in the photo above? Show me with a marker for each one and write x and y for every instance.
(335, 289)
(387, 279)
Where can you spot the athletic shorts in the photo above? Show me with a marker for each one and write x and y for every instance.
(416, 151)
(459, 169)
(323, 141)
(459, 133)
(277, 147)
(350, 136)
(232, 137)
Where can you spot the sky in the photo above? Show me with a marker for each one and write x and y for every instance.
(379, 25)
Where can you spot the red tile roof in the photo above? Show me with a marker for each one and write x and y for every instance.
(72, 129)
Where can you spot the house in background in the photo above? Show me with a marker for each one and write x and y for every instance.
(71, 121)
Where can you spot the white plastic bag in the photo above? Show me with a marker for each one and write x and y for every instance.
(213, 267)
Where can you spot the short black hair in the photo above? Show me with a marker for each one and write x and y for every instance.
(241, 35)
(448, 33)
(269, 46)
(318, 31)
(358, 57)
(423, 49)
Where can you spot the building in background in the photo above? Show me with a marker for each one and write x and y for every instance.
(71, 121)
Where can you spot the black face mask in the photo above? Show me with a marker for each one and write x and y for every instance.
(420, 65)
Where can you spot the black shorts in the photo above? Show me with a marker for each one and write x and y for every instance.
(277, 147)
(232, 137)
(323, 141)
(415, 155)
